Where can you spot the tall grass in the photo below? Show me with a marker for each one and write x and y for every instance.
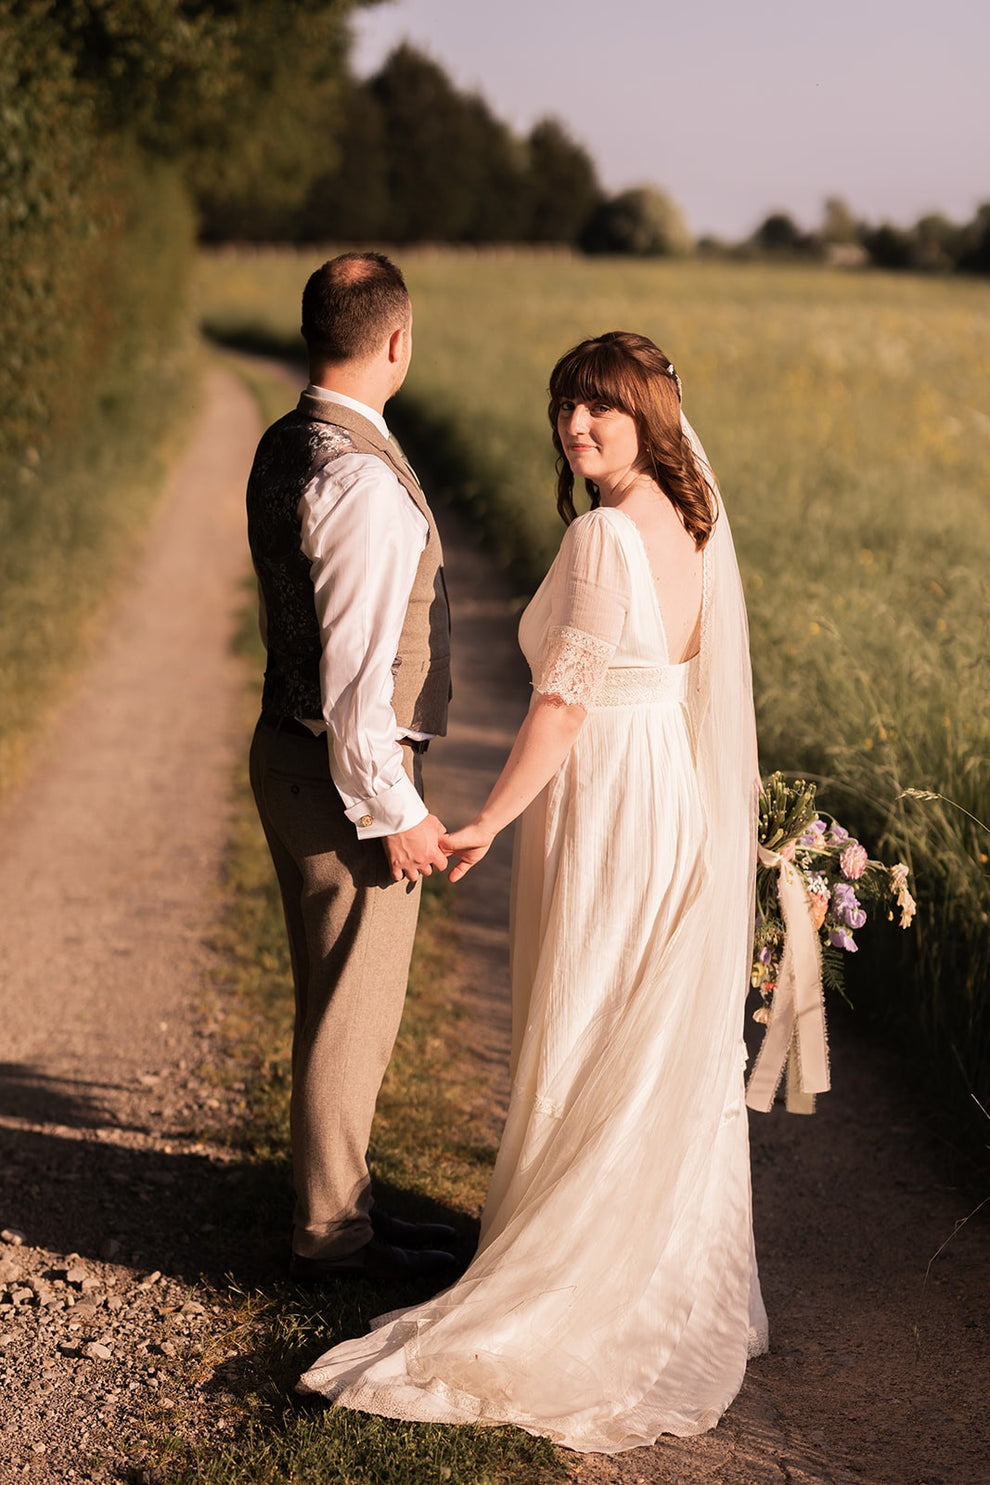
(847, 418)
(86, 442)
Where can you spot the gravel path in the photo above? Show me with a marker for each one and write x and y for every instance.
(109, 878)
(112, 1203)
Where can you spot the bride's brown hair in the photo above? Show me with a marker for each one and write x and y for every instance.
(631, 374)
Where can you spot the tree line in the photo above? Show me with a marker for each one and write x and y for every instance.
(934, 244)
(408, 157)
(127, 127)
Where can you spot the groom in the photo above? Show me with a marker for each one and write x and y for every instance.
(355, 622)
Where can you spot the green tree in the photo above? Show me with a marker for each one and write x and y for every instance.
(429, 195)
(563, 188)
(501, 208)
(888, 246)
(938, 243)
(455, 172)
(974, 256)
(778, 233)
(839, 224)
(270, 129)
(351, 202)
(643, 221)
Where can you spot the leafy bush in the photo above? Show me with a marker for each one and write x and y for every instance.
(643, 222)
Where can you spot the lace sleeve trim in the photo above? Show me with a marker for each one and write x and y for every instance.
(573, 665)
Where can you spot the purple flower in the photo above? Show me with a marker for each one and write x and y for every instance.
(847, 906)
(837, 835)
(814, 833)
(764, 955)
(842, 939)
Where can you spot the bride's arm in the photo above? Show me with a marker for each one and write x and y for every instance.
(542, 743)
(588, 612)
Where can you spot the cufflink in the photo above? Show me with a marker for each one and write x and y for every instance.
(365, 821)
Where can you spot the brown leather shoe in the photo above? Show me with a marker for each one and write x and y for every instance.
(402, 1234)
(376, 1260)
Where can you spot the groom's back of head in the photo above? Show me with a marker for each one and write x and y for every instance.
(351, 305)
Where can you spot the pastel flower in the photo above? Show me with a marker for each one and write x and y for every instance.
(819, 907)
(899, 887)
(837, 834)
(840, 938)
(814, 835)
(853, 860)
(762, 1015)
(847, 906)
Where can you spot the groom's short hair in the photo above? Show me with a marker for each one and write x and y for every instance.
(352, 304)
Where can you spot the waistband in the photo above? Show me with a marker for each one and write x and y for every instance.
(289, 725)
(643, 685)
(294, 728)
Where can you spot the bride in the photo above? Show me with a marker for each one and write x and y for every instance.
(614, 1294)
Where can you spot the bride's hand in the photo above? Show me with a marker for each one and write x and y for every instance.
(468, 845)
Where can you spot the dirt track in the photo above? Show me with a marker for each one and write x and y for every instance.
(110, 881)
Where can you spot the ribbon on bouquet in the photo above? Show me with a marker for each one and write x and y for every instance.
(795, 1036)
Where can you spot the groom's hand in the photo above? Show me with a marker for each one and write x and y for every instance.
(415, 852)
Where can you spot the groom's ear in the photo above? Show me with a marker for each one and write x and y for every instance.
(397, 344)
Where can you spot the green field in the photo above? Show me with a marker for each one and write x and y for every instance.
(847, 418)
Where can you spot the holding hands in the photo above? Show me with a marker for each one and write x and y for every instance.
(468, 845)
(415, 852)
(420, 851)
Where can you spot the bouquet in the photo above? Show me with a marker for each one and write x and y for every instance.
(814, 886)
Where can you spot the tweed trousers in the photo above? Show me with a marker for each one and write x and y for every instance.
(351, 932)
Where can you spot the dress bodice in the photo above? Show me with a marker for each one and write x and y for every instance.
(593, 631)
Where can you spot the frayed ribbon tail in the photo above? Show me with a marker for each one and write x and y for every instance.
(795, 1037)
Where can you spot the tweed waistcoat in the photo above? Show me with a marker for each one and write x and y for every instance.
(297, 447)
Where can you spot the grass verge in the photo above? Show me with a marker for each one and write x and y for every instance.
(105, 396)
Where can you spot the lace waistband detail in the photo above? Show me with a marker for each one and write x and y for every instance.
(643, 685)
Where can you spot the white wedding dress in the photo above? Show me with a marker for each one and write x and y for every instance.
(614, 1295)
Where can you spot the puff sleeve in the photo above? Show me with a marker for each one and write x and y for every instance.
(589, 603)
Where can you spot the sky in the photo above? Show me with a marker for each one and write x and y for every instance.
(736, 107)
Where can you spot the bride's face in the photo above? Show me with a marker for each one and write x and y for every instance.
(600, 443)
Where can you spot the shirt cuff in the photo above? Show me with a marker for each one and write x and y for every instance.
(399, 807)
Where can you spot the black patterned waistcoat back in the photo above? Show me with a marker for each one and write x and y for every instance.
(290, 453)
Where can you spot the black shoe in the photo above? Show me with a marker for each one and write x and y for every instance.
(390, 1229)
(376, 1260)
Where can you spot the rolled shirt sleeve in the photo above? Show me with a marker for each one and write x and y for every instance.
(364, 538)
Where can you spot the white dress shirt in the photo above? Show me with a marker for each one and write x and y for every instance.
(364, 537)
